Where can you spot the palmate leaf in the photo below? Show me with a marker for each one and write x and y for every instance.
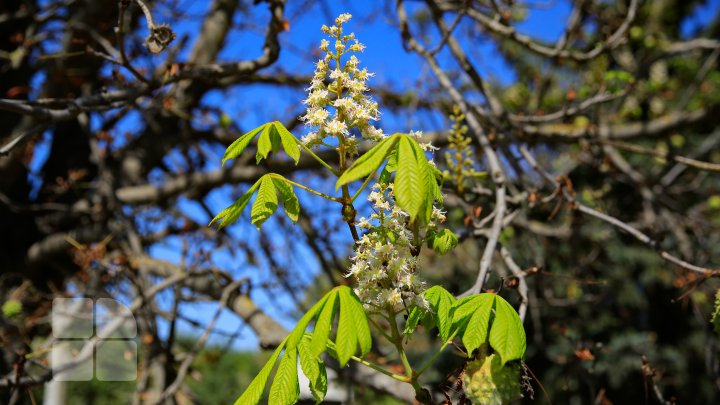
(464, 308)
(361, 325)
(353, 331)
(507, 335)
(272, 136)
(431, 175)
(266, 202)
(488, 318)
(369, 162)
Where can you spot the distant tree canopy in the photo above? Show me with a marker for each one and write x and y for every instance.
(584, 184)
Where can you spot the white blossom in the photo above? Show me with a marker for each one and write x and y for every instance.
(385, 270)
(352, 109)
(336, 127)
(343, 18)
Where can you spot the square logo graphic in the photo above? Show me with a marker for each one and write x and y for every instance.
(116, 360)
(70, 363)
(93, 339)
(72, 318)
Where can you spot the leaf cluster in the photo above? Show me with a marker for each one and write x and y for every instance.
(352, 333)
(477, 319)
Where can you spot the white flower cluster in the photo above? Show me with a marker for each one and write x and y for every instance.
(334, 109)
(384, 265)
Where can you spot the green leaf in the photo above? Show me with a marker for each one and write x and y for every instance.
(323, 324)
(254, 392)
(265, 142)
(346, 338)
(369, 162)
(314, 370)
(441, 302)
(444, 241)
(332, 349)
(476, 330)
(287, 195)
(237, 147)
(319, 388)
(410, 185)
(431, 175)
(716, 313)
(265, 203)
(464, 308)
(288, 140)
(362, 328)
(299, 331)
(353, 328)
(285, 389)
(507, 335)
(230, 214)
(416, 314)
(389, 168)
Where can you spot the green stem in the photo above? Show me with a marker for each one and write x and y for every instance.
(434, 356)
(317, 158)
(362, 187)
(380, 369)
(308, 189)
(375, 324)
(411, 377)
(397, 341)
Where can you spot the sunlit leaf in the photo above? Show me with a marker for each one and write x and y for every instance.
(287, 196)
(237, 147)
(369, 162)
(285, 389)
(347, 338)
(265, 203)
(475, 331)
(444, 241)
(269, 141)
(323, 324)
(441, 302)
(254, 392)
(359, 318)
(288, 140)
(507, 335)
(230, 214)
(409, 186)
(416, 315)
(314, 370)
(297, 333)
